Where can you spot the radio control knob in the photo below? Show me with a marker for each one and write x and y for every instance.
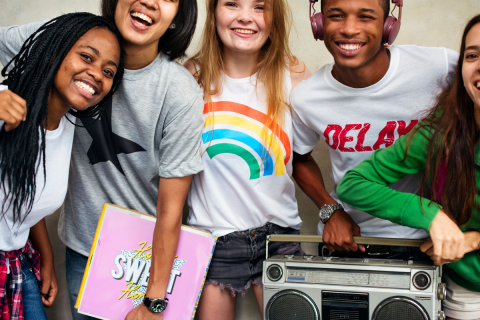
(441, 315)
(441, 291)
(308, 257)
(289, 256)
(274, 272)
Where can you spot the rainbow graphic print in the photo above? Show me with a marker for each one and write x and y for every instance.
(240, 130)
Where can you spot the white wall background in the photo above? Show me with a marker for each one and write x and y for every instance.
(425, 23)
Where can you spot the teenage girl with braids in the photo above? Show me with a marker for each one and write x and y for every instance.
(446, 147)
(71, 64)
(145, 148)
(245, 191)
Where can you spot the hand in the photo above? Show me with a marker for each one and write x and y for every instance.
(447, 242)
(13, 109)
(339, 232)
(49, 289)
(142, 313)
(472, 240)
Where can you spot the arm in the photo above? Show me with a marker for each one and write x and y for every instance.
(12, 39)
(41, 242)
(366, 187)
(172, 193)
(340, 228)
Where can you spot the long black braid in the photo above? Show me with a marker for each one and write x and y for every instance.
(32, 77)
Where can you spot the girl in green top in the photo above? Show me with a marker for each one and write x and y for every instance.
(446, 148)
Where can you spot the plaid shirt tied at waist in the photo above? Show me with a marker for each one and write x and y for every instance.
(11, 301)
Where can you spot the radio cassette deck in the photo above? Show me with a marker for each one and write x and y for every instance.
(329, 288)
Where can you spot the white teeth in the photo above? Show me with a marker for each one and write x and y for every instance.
(350, 46)
(142, 16)
(478, 85)
(245, 31)
(84, 86)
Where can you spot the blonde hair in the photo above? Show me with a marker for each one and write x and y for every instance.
(275, 57)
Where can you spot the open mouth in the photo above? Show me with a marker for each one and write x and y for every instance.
(477, 84)
(244, 31)
(85, 87)
(141, 18)
(350, 47)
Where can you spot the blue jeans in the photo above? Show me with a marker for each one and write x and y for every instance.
(75, 264)
(32, 300)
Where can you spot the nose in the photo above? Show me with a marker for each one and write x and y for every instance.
(350, 26)
(96, 72)
(150, 4)
(245, 15)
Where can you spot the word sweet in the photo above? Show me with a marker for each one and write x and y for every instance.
(137, 271)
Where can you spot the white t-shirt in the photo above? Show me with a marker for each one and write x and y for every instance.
(246, 181)
(58, 148)
(355, 122)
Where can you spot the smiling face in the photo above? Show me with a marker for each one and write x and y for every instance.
(471, 65)
(143, 22)
(86, 74)
(241, 25)
(353, 31)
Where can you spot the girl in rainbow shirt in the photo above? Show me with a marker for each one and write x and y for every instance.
(245, 192)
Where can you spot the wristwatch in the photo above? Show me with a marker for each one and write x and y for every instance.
(155, 305)
(327, 210)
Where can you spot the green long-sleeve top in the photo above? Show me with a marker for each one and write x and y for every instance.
(366, 187)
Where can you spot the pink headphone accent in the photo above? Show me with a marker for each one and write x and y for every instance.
(391, 26)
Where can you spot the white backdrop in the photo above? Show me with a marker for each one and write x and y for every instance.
(425, 23)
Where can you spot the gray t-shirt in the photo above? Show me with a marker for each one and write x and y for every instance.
(151, 129)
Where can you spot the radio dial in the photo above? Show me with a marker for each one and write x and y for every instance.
(274, 272)
(442, 291)
(421, 280)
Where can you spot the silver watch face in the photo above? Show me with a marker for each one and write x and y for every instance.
(325, 212)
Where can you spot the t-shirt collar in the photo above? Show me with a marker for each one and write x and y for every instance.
(392, 69)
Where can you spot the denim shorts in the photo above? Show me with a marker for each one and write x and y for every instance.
(237, 261)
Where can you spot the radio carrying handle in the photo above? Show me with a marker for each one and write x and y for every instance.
(358, 240)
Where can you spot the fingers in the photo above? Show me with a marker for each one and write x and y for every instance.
(13, 109)
(448, 240)
(427, 245)
(45, 291)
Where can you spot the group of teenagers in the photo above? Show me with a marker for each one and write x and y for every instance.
(97, 110)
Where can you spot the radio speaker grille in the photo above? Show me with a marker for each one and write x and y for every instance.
(291, 305)
(400, 308)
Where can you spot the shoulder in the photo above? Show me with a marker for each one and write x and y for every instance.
(180, 81)
(298, 72)
(315, 83)
(430, 54)
(191, 66)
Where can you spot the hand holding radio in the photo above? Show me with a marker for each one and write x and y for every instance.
(447, 242)
(339, 232)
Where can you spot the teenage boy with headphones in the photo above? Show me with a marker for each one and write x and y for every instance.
(365, 100)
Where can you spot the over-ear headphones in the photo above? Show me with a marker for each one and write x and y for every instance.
(391, 26)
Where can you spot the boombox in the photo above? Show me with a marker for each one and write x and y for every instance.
(328, 288)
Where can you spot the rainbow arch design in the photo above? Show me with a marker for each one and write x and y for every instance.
(237, 129)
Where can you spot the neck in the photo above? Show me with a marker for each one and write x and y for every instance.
(56, 110)
(138, 57)
(369, 74)
(239, 65)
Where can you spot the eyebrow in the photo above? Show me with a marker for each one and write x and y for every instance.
(474, 47)
(98, 54)
(361, 10)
